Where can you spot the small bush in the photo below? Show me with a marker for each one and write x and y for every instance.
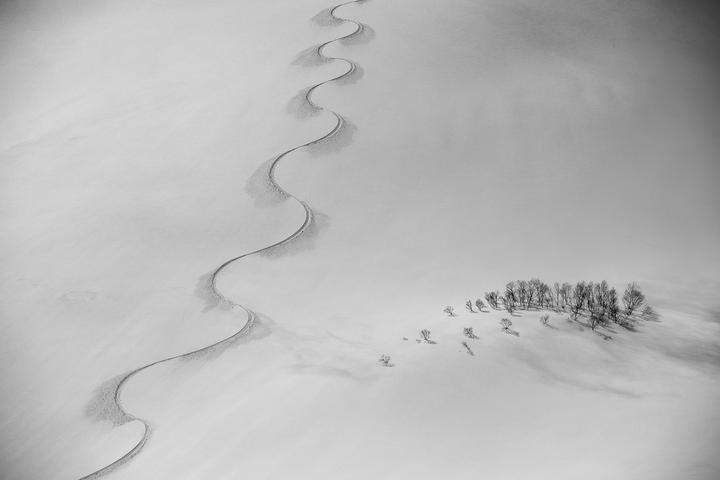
(385, 361)
(468, 332)
(469, 306)
(545, 320)
(450, 311)
(425, 336)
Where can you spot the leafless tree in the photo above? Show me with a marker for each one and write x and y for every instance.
(579, 296)
(479, 304)
(556, 295)
(534, 292)
(542, 293)
(469, 306)
(385, 361)
(425, 335)
(468, 332)
(450, 311)
(632, 299)
(509, 304)
(492, 299)
(511, 292)
(565, 294)
(518, 292)
(505, 323)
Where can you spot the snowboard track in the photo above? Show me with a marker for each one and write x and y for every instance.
(212, 283)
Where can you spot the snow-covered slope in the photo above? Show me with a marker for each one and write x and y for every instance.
(487, 141)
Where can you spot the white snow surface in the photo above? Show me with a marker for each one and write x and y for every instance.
(487, 141)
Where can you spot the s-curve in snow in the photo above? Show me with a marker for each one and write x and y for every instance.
(212, 288)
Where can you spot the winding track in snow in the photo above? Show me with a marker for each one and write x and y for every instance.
(212, 284)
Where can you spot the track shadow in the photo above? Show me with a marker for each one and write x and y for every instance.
(261, 188)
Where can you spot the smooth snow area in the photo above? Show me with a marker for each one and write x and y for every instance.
(488, 141)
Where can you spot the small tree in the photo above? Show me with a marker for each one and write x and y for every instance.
(565, 294)
(545, 320)
(542, 293)
(479, 304)
(450, 311)
(492, 299)
(425, 335)
(556, 295)
(469, 306)
(512, 292)
(468, 332)
(385, 361)
(509, 305)
(505, 323)
(579, 297)
(632, 299)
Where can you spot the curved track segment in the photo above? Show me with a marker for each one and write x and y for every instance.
(212, 284)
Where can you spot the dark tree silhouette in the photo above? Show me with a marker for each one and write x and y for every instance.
(469, 306)
(632, 299)
(425, 335)
(468, 332)
(492, 299)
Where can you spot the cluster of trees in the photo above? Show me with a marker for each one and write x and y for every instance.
(599, 302)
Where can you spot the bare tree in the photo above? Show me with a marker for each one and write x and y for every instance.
(565, 294)
(505, 323)
(509, 304)
(556, 295)
(533, 292)
(468, 332)
(579, 297)
(511, 292)
(519, 292)
(542, 293)
(450, 311)
(469, 306)
(492, 299)
(425, 335)
(385, 361)
(633, 299)
(479, 304)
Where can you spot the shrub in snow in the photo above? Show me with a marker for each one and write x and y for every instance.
(450, 311)
(469, 306)
(545, 320)
(468, 332)
(505, 323)
(479, 304)
(425, 336)
(385, 361)
(468, 349)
